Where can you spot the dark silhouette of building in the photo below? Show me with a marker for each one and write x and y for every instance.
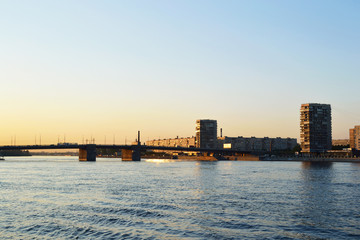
(315, 127)
(206, 133)
(254, 144)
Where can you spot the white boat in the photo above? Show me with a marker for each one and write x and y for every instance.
(2, 158)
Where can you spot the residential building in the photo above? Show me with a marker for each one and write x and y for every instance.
(340, 142)
(254, 144)
(173, 142)
(206, 133)
(355, 137)
(315, 127)
(352, 137)
(206, 137)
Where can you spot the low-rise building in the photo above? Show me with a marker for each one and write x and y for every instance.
(265, 144)
(173, 142)
(340, 142)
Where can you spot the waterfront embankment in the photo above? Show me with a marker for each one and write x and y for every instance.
(310, 159)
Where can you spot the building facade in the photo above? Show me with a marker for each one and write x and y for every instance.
(206, 137)
(352, 137)
(254, 144)
(315, 127)
(206, 133)
(355, 137)
(340, 142)
(173, 142)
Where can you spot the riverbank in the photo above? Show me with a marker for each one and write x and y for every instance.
(248, 158)
(15, 153)
(310, 159)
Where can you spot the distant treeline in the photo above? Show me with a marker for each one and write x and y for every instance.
(15, 153)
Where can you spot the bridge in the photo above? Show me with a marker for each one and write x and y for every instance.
(87, 152)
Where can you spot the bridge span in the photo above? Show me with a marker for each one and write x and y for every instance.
(87, 152)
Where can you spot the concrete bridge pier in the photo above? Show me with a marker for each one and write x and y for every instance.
(131, 154)
(88, 153)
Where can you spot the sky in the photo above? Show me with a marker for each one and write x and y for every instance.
(76, 70)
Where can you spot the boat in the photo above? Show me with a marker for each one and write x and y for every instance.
(2, 158)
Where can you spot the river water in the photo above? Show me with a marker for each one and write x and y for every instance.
(62, 198)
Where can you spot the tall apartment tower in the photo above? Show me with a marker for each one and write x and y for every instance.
(355, 137)
(352, 137)
(315, 127)
(206, 133)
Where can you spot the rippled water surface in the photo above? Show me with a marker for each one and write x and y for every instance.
(59, 197)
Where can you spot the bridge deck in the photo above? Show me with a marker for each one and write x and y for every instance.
(132, 147)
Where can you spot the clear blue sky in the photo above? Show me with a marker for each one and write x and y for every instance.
(105, 68)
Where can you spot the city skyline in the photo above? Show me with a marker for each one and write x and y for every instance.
(89, 69)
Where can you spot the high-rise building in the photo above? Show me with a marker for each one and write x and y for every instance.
(315, 127)
(206, 133)
(352, 137)
(355, 137)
